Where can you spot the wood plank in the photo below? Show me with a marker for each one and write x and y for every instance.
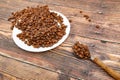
(4, 76)
(90, 31)
(68, 68)
(90, 5)
(43, 1)
(10, 8)
(85, 30)
(110, 22)
(62, 59)
(25, 71)
(113, 0)
(68, 10)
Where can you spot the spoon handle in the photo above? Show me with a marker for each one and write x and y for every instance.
(109, 70)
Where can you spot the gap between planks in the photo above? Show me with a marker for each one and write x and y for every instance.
(36, 65)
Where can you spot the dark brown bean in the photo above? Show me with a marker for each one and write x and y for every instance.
(86, 16)
(97, 26)
(80, 11)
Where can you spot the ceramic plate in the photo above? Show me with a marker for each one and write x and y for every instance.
(24, 46)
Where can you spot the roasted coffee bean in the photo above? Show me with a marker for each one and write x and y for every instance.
(86, 16)
(81, 11)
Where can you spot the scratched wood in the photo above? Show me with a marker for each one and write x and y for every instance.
(25, 71)
(110, 20)
(4, 76)
(103, 42)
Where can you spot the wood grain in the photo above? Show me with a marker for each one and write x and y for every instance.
(25, 71)
(4, 76)
(64, 61)
(59, 63)
(110, 22)
(91, 5)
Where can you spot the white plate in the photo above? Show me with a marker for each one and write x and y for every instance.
(24, 46)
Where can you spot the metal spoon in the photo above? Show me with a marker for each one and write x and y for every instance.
(82, 51)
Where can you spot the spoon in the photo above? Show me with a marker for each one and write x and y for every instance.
(82, 51)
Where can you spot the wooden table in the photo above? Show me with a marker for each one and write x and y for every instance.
(59, 63)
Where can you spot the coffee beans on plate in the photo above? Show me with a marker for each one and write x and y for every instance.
(40, 27)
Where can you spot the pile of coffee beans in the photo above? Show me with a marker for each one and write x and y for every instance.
(81, 51)
(39, 26)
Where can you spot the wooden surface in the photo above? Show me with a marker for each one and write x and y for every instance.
(59, 63)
